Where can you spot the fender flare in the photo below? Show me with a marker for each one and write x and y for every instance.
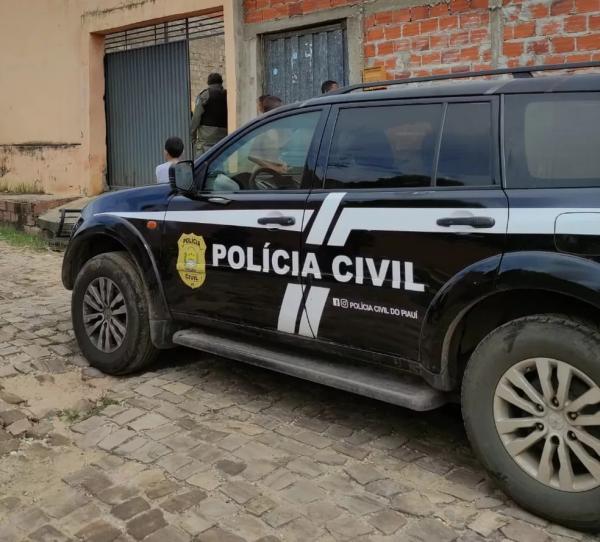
(123, 232)
(462, 291)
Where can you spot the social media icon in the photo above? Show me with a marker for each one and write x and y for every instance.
(336, 302)
(344, 303)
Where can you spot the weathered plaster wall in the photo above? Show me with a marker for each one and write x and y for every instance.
(52, 127)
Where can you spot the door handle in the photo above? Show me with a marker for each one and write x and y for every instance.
(281, 220)
(218, 199)
(473, 221)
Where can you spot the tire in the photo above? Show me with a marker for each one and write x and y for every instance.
(108, 275)
(536, 486)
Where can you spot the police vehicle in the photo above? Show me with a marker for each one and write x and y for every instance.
(417, 244)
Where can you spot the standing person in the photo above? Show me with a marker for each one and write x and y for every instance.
(173, 150)
(267, 102)
(209, 121)
(329, 86)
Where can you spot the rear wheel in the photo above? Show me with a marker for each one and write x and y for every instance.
(110, 315)
(531, 405)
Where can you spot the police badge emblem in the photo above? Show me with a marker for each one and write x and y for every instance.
(191, 260)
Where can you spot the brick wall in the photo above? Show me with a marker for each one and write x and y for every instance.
(459, 35)
(23, 211)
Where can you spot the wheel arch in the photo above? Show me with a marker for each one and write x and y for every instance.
(115, 234)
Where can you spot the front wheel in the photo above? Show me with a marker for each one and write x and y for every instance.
(531, 406)
(110, 315)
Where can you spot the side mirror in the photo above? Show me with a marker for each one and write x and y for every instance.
(181, 176)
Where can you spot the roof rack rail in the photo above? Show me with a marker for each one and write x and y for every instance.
(522, 72)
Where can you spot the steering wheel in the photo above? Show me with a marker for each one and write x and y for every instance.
(260, 184)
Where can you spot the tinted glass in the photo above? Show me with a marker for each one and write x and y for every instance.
(271, 157)
(552, 141)
(384, 147)
(466, 147)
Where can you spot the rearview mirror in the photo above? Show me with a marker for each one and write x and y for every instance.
(181, 176)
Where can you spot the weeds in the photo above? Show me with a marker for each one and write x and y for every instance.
(21, 188)
(18, 238)
(71, 415)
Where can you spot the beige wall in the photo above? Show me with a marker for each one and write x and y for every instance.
(52, 127)
(207, 55)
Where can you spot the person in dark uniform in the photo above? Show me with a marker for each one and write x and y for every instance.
(209, 121)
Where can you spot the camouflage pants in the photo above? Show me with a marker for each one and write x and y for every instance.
(207, 137)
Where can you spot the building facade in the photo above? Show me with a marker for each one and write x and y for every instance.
(64, 129)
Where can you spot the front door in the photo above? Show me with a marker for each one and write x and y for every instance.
(233, 250)
(410, 197)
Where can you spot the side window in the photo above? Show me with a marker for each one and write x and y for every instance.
(466, 147)
(271, 157)
(384, 147)
(552, 141)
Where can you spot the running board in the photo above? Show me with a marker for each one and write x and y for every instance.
(371, 381)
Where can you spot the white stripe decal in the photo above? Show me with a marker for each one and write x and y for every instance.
(421, 219)
(330, 204)
(288, 313)
(313, 310)
(243, 218)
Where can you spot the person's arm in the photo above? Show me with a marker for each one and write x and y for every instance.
(201, 100)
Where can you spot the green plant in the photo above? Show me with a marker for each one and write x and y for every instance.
(18, 238)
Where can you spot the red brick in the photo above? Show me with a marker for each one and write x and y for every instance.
(563, 44)
(512, 48)
(415, 60)
(478, 35)
(588, 43)
(401, 46)
(594, 22)
(390, 63)
(431, 58)
(422, 73)
(586, 6)
(439, 10)
(469, 53)
(449, 22)
(561, 7)
(524, 30)
(410, 29)
(439, 41)
(370, 51)
(457, 6)
(375, 34)
(554, 59)
(480, 4)
(509, 33)
(474, 20)
(460, 69)
(551, 28)
(393, 32)
(459, 38)
(295, 9)
(370, 21)
(576, 23)
(450, 56)
(580, 57)
(309, 6)
(539, 11)
(428, 26)
(420, 44)
(440, 71)
(419, 12)
(538, 47)
(384, 17)
(401, 15)
(253, 17)
(386, 48)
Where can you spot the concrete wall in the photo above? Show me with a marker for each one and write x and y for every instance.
(51, 93)
(207, 55)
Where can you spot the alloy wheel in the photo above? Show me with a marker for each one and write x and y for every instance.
(105, 314)
(547, 414)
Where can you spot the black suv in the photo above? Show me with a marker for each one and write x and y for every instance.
(418, 244)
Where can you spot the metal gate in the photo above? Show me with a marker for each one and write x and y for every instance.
(147, 97)
(298, 62)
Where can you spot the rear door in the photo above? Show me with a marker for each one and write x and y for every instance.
(410, 198)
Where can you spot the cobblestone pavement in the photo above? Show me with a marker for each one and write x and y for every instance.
(200, 448)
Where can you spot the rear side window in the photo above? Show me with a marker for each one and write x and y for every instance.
(466, 147)
(384, 147)
(552, 141)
